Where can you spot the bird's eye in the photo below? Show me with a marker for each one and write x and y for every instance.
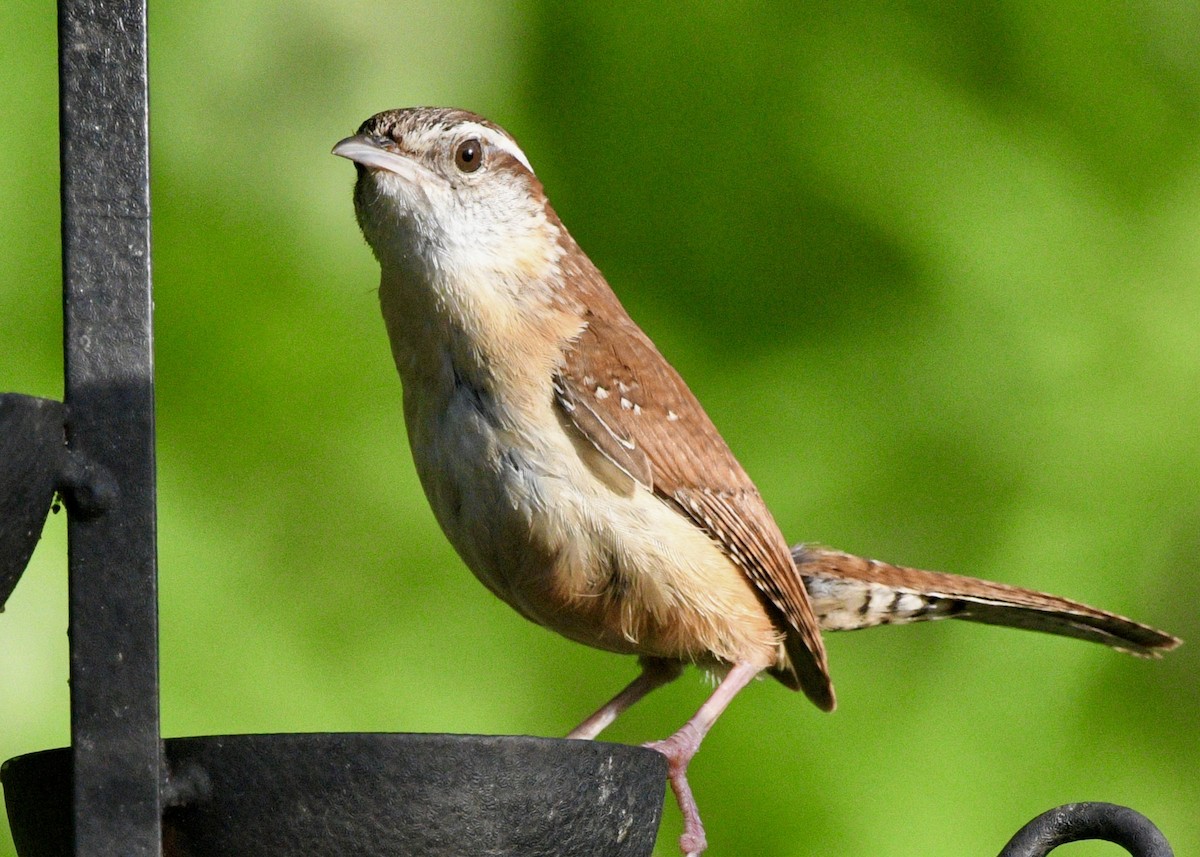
(469, 155)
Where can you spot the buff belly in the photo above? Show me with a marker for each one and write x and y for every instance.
(570, 552)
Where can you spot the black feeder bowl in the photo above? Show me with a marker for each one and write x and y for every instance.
(372, 795)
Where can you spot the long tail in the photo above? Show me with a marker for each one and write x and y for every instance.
(849, 592)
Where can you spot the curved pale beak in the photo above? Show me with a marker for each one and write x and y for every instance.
(365, 150)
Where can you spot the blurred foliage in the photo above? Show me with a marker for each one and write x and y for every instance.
(934, 268)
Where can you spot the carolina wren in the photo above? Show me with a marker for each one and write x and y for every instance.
(576, 474)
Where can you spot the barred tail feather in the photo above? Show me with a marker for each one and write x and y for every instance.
(849, 592)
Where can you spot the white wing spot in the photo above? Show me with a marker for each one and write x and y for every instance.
(637, 409)
(672, 416)
(601, 393)
(626, 405)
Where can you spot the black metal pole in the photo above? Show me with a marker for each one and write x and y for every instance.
(110, 427)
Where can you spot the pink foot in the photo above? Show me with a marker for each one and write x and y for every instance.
(679, 750)
(682, 746)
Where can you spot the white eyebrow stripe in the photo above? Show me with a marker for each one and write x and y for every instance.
(500, 141)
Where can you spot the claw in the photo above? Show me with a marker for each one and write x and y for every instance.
(683, 745)
(679, 750)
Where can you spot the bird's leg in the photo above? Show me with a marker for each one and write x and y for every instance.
(655, 673)
(682, 746)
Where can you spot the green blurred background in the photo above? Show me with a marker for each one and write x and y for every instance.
(934, 270)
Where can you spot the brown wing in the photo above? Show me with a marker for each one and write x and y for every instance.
(616, 446)
(624, 397)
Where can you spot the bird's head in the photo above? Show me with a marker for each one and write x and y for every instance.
(444, 192)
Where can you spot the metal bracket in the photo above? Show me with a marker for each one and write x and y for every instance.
(36, 465)
(32, 453)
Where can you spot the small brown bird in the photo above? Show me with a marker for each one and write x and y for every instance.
(574, 471)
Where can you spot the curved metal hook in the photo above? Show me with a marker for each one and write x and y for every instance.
(1073, 822)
